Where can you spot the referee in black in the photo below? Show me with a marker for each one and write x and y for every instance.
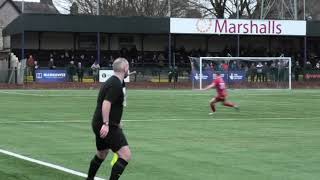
(106, 123)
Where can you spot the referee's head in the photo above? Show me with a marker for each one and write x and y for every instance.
(121, 65)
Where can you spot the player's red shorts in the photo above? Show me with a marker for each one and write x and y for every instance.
(220, 97)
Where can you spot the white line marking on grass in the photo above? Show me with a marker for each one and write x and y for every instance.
(20, 93)
(44, 95)
(72, 95)
(60, 168)
(39, 121)
(220, 119)
(183, 93)
(166, 120)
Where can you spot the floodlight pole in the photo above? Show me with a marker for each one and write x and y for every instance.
(23, 33)
(22, 8)
(305, 37)
(238, 36)
(98, 7)
(169, 38)
(237, 4)
(295, 6)
(98, 34)
(304, 9)
(261, 12)
(200, 73)
(169, 8)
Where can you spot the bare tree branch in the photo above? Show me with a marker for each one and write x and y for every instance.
(225, 8)
(132, 7)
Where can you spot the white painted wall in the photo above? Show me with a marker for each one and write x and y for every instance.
(7, 14)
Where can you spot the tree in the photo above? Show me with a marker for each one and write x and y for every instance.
(74, 8)
(193, 13)
(253, 9)
(284, 9)
(158, 8)
(210, 7)
(225, 8)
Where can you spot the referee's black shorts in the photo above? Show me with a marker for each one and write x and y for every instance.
(115, 139)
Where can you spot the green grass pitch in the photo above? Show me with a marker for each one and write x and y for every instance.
(275, 136)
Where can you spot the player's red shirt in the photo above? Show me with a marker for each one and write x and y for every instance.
(220, 86)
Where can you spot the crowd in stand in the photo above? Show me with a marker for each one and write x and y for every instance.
(85, 62)
(180, 56)
(254, 71)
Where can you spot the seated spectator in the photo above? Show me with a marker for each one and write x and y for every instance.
(318, 66)
(51, 64)
(111, 61)
(132, 63)
(66, 55)
(308, 65)
(155, 58)
(161, 57)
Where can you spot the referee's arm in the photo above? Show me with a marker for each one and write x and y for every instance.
(106, 106)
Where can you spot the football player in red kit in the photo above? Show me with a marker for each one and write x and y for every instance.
(222, 94)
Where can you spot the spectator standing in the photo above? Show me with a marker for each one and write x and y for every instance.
(252, 72)
(296, 71)
(36, 67)
(71, 70)
(95, 71)
(265, 72)
(259, 72)
(30, 65)
(80, 72)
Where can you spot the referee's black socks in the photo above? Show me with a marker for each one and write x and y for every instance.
(118, 168)
(94, 166)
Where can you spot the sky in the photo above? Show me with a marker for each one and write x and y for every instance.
(58, 4)
(29, 0)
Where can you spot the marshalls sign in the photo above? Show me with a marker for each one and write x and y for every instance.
(237, 26)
